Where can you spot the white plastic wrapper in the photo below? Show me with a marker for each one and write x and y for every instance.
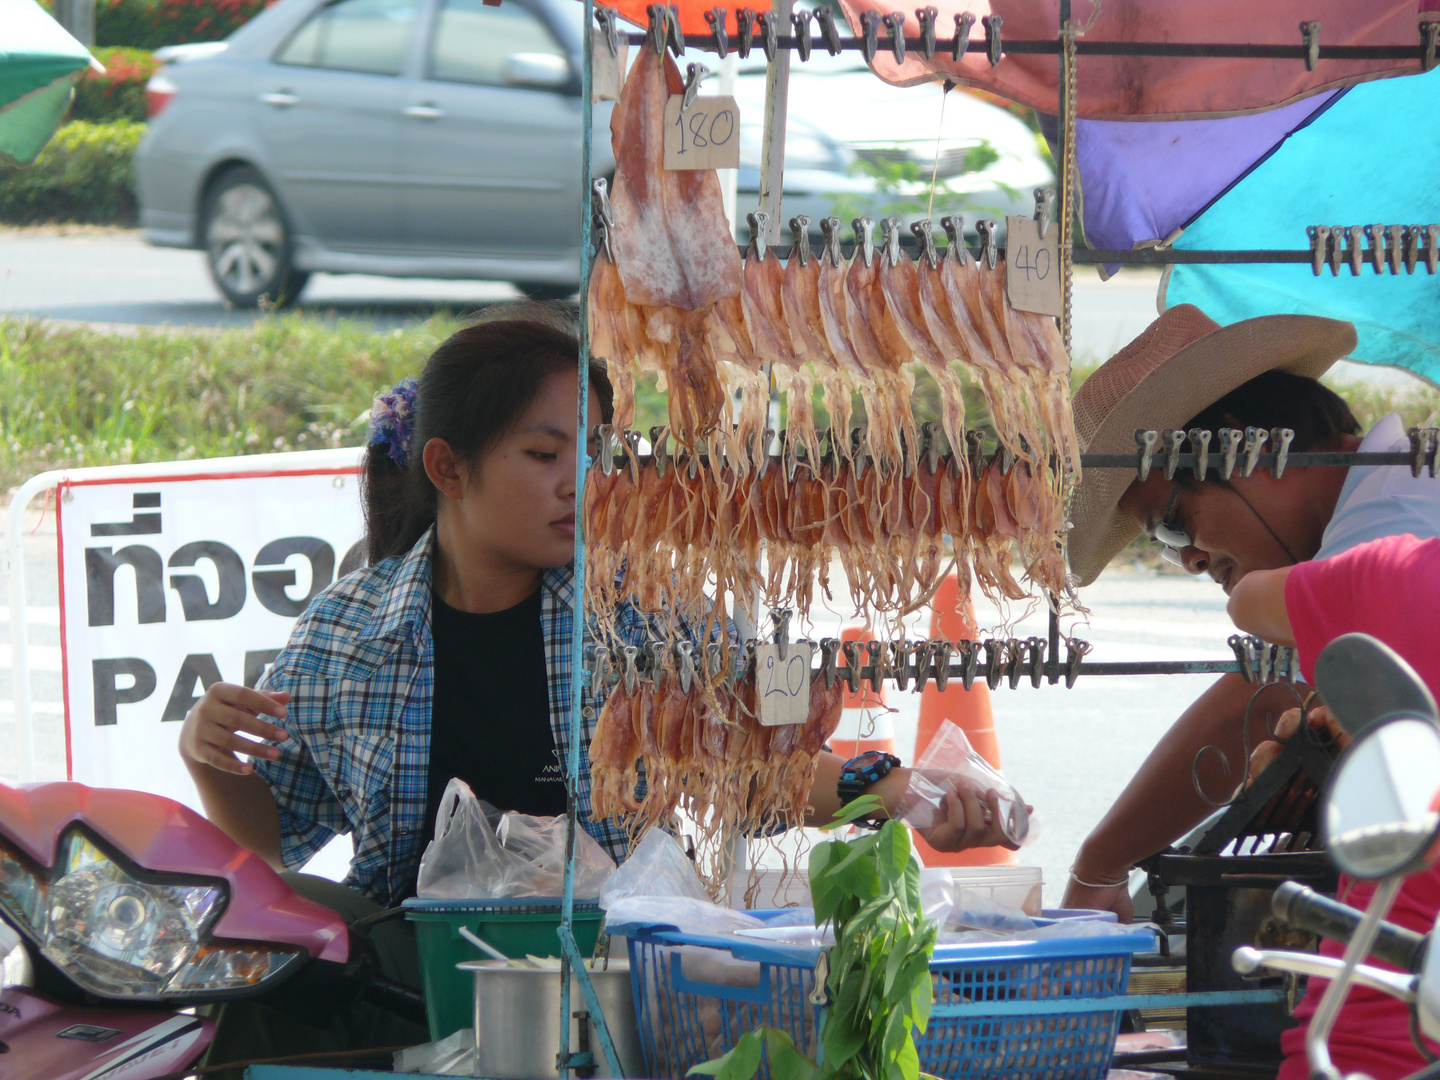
(950, 760)
(453, 1055)
(471, 860)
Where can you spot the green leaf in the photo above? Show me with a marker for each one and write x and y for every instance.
(897, 1030)
(860, 878)
(741, 1063)
(786, 1062)
(893, 963)
(864, 806)
(894, 848)
(908, 1059)
(841, 1040)
(912, 887)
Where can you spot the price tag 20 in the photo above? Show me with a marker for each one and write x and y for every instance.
(1032, 266)
(783, 686)
(704, 136)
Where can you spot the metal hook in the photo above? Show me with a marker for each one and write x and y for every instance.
(801, 21)
(1146, 441)
(964, 23)
(926, 16)
(992, 38)
(1044, 200)
(1255, 439)
(1174, 440)
(895, 21)
(1230, 440)
(693, 74)
(870, 34)
(716, 18)
(1280, 439)
(825, 16)
(1200, 444)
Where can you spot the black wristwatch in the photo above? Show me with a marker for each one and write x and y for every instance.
(860, 773)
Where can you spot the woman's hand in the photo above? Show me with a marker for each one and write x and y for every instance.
(212, 733)
(1288, 724)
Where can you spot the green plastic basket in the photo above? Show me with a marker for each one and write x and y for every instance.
(515, 927)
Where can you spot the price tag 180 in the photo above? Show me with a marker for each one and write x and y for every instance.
(1032, 266)
(783, 686)
(704, 136)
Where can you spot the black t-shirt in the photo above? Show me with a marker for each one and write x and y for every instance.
(490, 716)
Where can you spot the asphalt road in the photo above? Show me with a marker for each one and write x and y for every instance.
(112, 277)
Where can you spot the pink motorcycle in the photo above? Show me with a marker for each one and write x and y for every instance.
(132, 908)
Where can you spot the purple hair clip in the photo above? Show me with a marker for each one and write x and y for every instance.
(392, 419)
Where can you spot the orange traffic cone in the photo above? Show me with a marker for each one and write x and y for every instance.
(864, 723)
(953, 618)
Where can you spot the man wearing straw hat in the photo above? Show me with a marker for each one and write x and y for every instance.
(1185, 371)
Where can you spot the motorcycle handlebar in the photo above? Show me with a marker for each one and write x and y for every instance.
(396, 998)
(1304, 907)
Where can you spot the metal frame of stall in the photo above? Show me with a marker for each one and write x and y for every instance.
(1157, 449)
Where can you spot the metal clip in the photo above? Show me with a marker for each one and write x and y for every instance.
(693, 74)
(1337, 249)
(714, 659)
(926, 16)
(851, 649)
(660, 448)
(1376, 235)
(877, 666)
(600, 674)
(1004, 459)
(673, 35)
(829, 650)
(1310, 31)
(716, 18)
(1173, 441)
(1397, 246)
(800, 239)
(858, 457)
(1075, 650)
(1264, 658)
(659, 30)
(767, 22)
(890, 246)
(1280, 439)
(1356, 250)
(604, 433)
(922, 654)
(1430, 38)
(759, 222)
(954, 226)
(631, 440)
(869, 34)
(657, 652)
(964, 23)
(631, 677)
(1014, 662)
(930, 444)
(1319, 246)
(801, 21)
(970, 653)
(976, 441)
(1412, 235)
(825, 16)
(1255, 439)
(1423, 450)
(1146, 441)
(992, 37)
(1432, 248)
(1044, 200)
(989, 241)
(606, 18)
(940, 650)
(1230, 440)
(1243, 655)
(819, 993)
(830, 234)
(685, 665)
(994, 667)
(745, 26)
(895, 20)
(924, 231)
(1037, 660)
(1200, 444)
(899, 656)
(864, 227)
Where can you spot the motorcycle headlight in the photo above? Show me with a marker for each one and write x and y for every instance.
(121, 935)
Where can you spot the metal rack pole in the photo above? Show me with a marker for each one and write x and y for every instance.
(571, 962)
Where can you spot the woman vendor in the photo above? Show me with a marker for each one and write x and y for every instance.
(444, 656)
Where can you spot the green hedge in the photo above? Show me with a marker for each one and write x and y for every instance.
(85, 174)
(150, 24)
(119, 94)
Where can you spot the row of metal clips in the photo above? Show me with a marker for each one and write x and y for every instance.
(1393, 246)
(1261, 662)
(1168, 446)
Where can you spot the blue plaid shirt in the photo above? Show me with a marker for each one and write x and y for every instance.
(360, 667)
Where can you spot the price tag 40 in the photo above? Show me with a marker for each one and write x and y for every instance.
(704, 136)
(1032, 266)
(783, 686)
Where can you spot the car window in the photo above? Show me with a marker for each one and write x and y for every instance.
(472, 41)
(354, 35)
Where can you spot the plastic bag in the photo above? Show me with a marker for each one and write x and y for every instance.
(453, 1055)
(948, 757)
(657, 867)
(468, 860)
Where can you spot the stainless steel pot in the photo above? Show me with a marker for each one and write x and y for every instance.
(517, 1020)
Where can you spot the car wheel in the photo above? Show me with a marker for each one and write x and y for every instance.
(546, 290)
(248, 243)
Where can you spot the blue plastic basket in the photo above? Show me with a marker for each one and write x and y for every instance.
(1031, 1010)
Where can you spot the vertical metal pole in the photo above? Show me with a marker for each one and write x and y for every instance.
(777, 104)
(1066, 102)
(1052, 668)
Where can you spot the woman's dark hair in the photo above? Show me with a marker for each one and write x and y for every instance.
(474, 389)
(1318, 416)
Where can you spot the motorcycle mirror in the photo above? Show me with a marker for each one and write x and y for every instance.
(1380, 812)
(1364, 681)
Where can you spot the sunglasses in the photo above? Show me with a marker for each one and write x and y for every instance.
(1169, 533)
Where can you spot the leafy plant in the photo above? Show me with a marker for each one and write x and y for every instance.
(119, 94)
(878, 983)
(902, 185)
(86, 173)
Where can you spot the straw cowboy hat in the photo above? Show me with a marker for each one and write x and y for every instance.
(1182, 363)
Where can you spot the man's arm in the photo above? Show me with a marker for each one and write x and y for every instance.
(1257, 605)
(1160, 804)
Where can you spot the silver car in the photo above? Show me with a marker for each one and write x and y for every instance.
(441, 139)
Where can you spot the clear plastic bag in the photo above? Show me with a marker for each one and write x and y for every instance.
(453, 1055)
(950, 759)
(469, 860)
(657, 867)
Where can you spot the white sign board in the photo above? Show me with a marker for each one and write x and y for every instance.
(172, 581)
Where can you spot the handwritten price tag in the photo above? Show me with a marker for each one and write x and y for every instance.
(704, 136)
(783, 685)
(1032, 270)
